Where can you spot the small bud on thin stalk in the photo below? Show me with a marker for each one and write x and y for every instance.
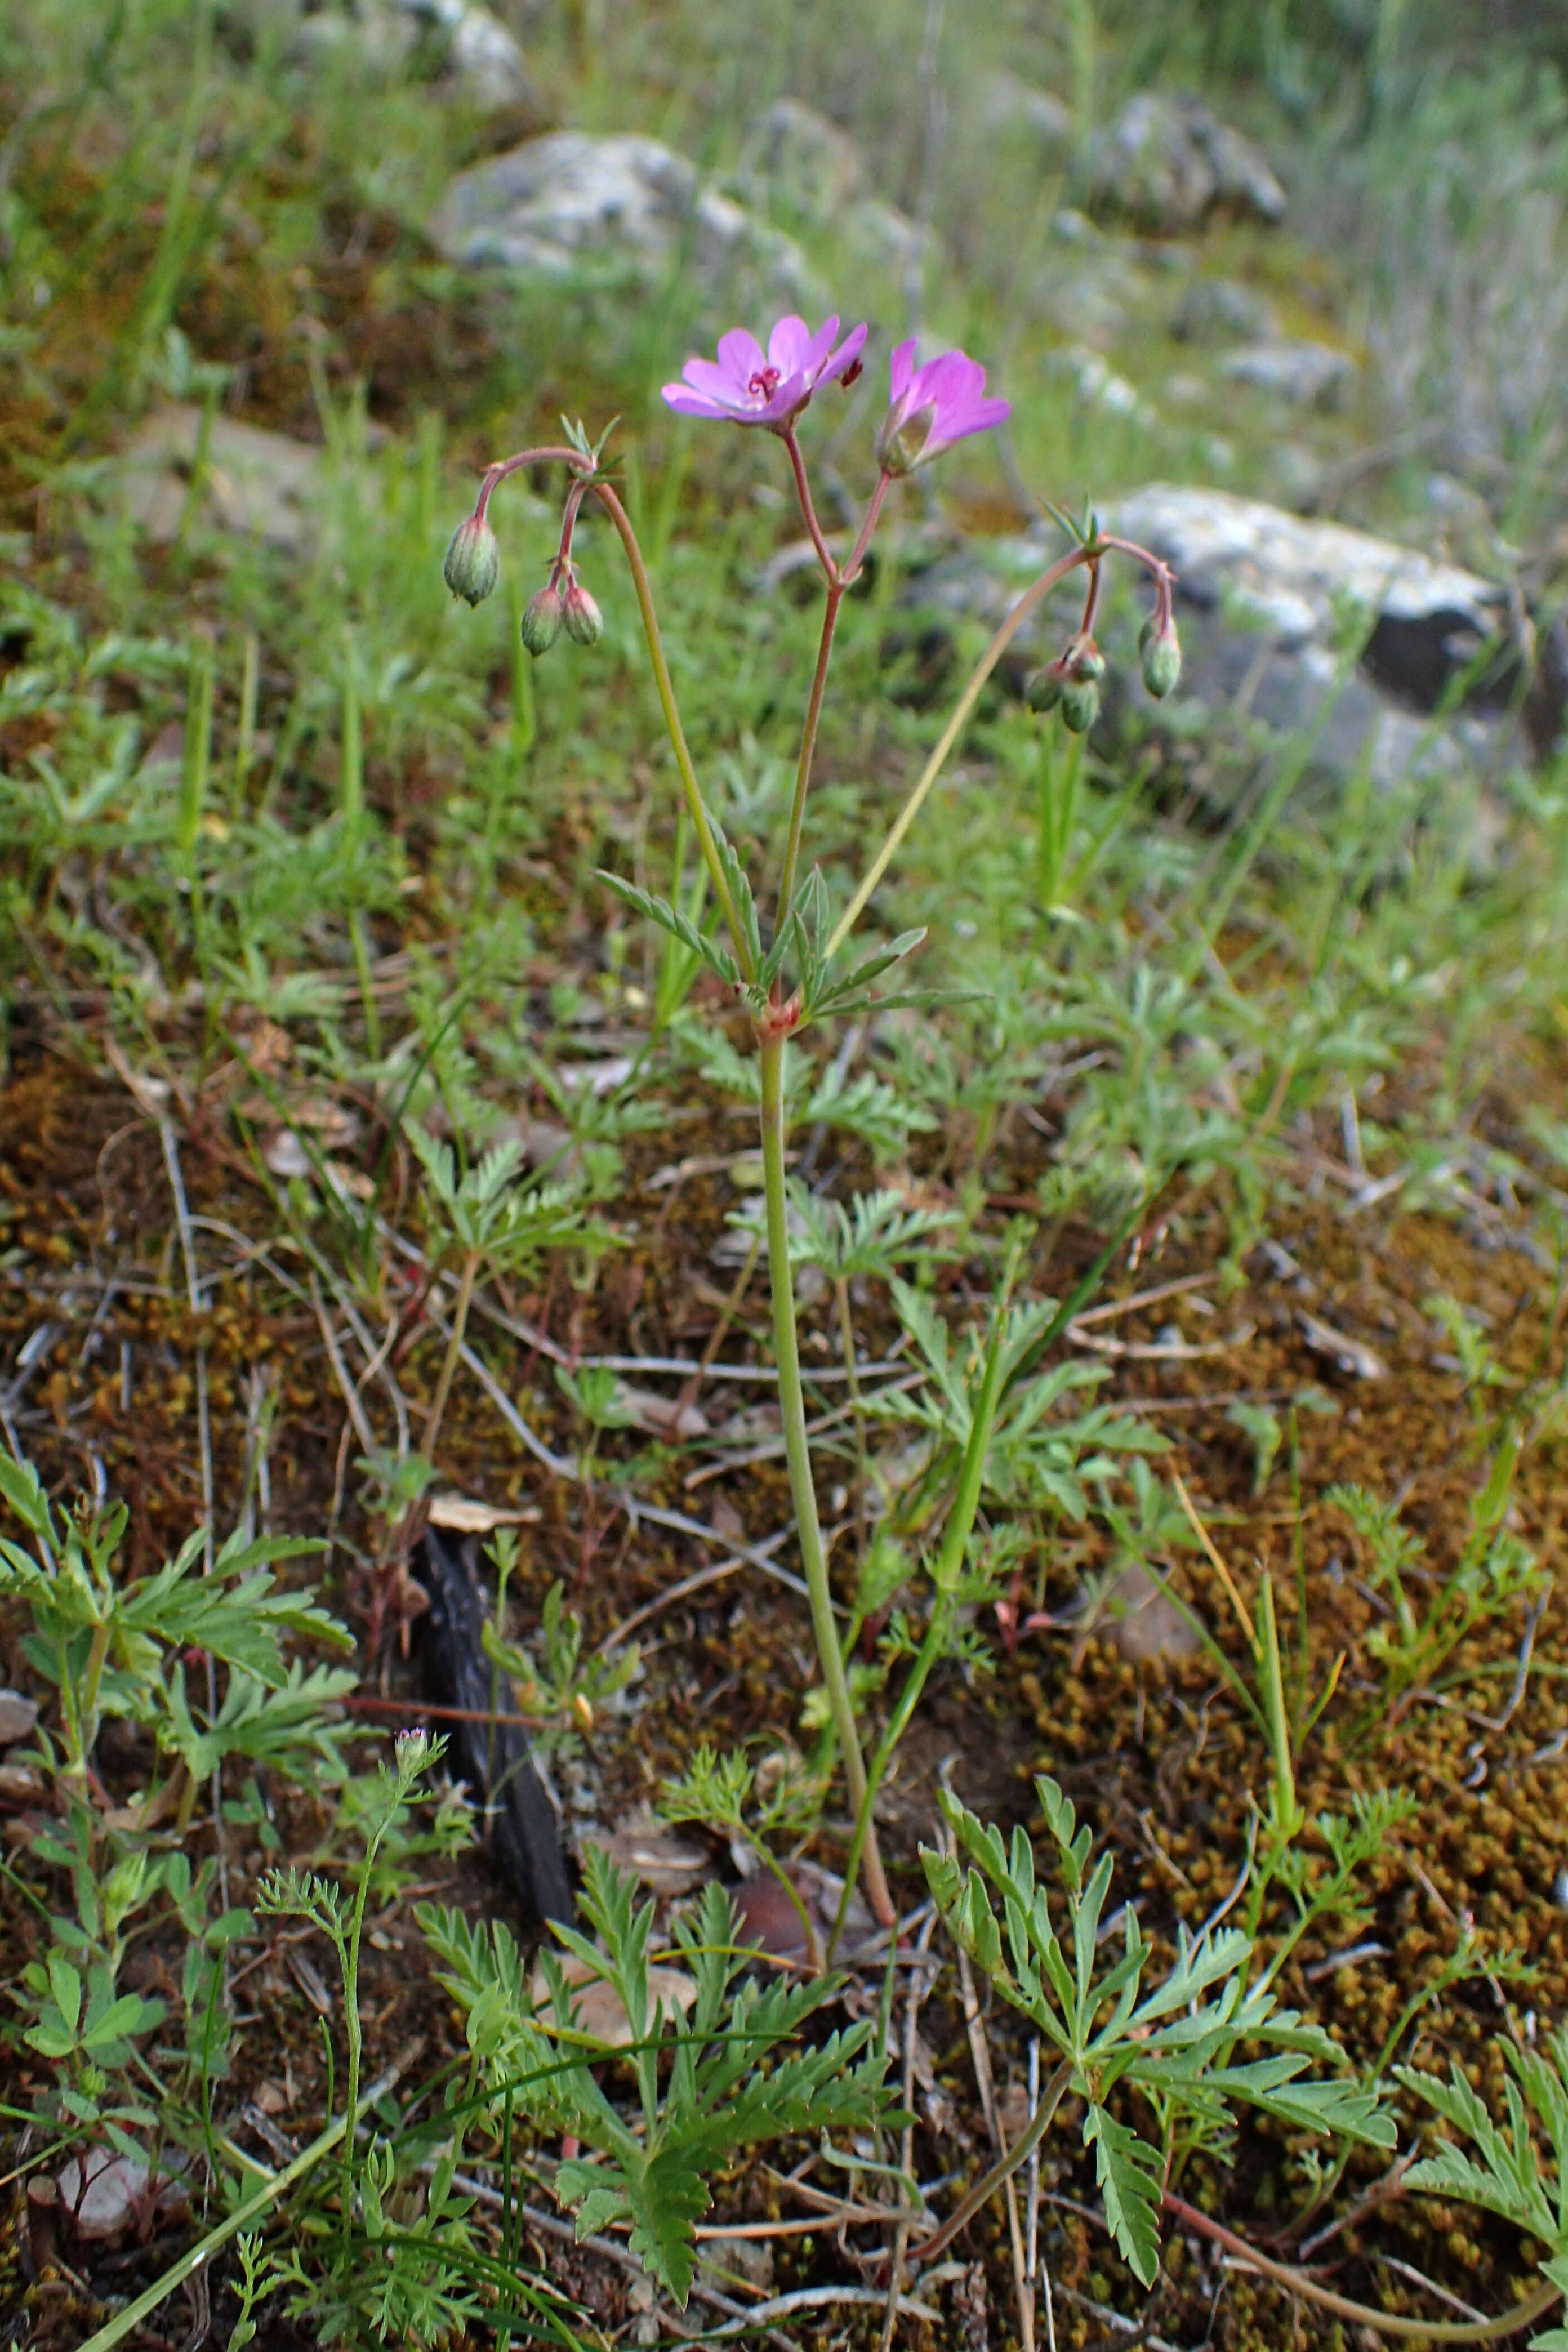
(473, 560)
(584, 622)
(1161, 650)
(542, 620)
(1080, 705)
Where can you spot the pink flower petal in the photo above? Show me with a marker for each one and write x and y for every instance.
(695, 403)
(845, 357)
(717, 382)
(900, 367)
(741, 355)
(789, 344)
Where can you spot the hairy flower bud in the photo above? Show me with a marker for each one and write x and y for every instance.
(542, 620)
(584, 622)
(1161, 655)
(1043, 688)
(473, 560)
(1080, 705)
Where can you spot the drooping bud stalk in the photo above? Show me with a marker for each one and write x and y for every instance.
(473, 560)
(584, 622)
(1161, 650)
(542, 619)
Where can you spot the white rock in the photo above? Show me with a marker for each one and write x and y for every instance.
(1262, 596)
(485, 60)
(569, 200)
(1296, 575)
(479, 56)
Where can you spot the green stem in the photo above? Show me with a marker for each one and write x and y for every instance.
(949, 737)
(454, 1348)
(125, 2323)
(700, 818)
(1018, 2154)
(808, 749)
(797, 1450)
(945, 1577)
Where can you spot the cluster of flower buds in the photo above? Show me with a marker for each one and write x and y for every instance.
(1071, 682)
(473, 567)
(561, 603)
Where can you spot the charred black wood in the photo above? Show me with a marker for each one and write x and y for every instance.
(523, 1834)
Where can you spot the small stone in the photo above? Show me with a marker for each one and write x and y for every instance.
(1138, 1620)
(102, 2195)
(18, 1716)
(737, 2262)
(1307, 375)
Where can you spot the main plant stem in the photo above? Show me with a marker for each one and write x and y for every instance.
(797, 1453)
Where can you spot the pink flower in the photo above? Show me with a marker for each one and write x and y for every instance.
(748, 387)
(932, 407)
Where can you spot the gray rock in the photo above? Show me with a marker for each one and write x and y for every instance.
(1293, 576)
(18, 1716)
(485, 60)
(570, 201)
(1219, 309)
(1098, 385)
(796, 158)
(1009, 104)
(255, 483)
(1167, 162)
(796, 161)
(1307, 375)
(1262, 596)
(479, 57)
(1090, 294)
(1135, 1617)
(377, 39)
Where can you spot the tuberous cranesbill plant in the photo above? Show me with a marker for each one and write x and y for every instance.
(796, 972)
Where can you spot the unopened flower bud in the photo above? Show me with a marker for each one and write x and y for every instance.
(1161, 655)
(542, 620)
(1080, 705)
(1086, 660)
(584, 622)
(1043, 688)
(473, 560)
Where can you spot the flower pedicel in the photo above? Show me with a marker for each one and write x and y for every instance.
(785, 985)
